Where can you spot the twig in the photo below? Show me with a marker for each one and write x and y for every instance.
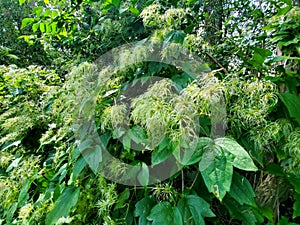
(216, 61)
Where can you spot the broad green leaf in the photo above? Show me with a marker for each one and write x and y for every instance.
(143, 175)
(295, 181)
(122, 198)
(93, 157)
(267, 212)
(143, 209)
(285, 221)
(218, 174)
(137, 134)
(292, 103)
(162, 153)
(296, 206)
(134, 11)
(247, 214)
(26, 21)
(177, 217)
(164, 214)
(242, 191)
(42, 27)
(259, 56)
(116, 3)
(263, 52)
(193, 210)
(155, 67)
(21, 2)
(203, 142)
(85, 144)
(10, 212)
(184, 154)
(168, 38)
(47, 12)
(126, 141)
(38, 10)
(78, 167)
(63, 205)
(241, 158)
(105, 139)
(178, 37)
(284, 10)
(35, 27)
(23, 196)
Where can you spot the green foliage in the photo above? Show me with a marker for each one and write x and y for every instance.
(249, 175)
(193, 209)
(63, 204)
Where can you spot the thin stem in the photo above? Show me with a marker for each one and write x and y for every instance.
(182, 181)
(216, 61)
(194, 181)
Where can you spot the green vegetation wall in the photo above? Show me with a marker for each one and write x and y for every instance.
(216, 111)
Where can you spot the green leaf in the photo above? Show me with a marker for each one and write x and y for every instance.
(78, 167)
(155, 67)
(143, 209)
(193, 210)
(38, 10)
(296, 206)
(292, 103)
(203, 142)
(12, 56)
(23, 196)
(241, 158)
(122, 198)
(63, 205)
(217, 174)
(137, 134)
(143, 175)
(259, 56)
(282, 58)
(26, 21)
(134, 11)
(168, 38)
(162, 153)
(93, 156)
(35, 27)
(285, 221)
(42, 27)
(295, 181)
(179, 36)
(164, 214)
(174, 36)
(247, 214)
(284, 10)
(126, 140)
(287, 43)
(21, 2)
(116, 3)
(241, 190)
(10, 212)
